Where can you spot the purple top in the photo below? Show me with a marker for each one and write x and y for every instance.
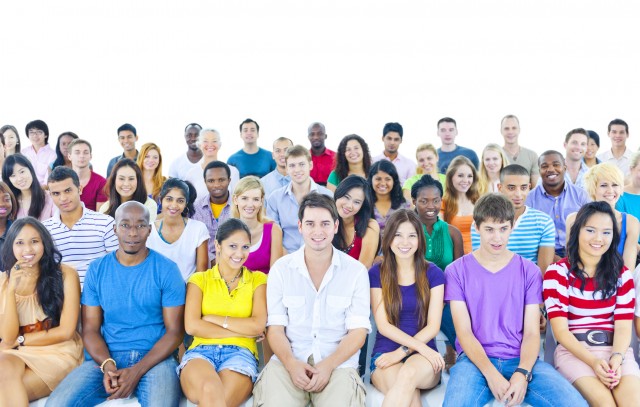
(408, 320)
(382, 220)
(260, 260)
(495, 301)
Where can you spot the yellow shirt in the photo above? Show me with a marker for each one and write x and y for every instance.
(216, 300)
(216, 209)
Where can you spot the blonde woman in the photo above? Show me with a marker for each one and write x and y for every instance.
(427, 158)
(493, 160)
(150, 163)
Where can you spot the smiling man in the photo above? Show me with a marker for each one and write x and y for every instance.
(92, 184)
(181, 166)
(575, 145)
(619, 154)
(251, 159)
(127, 137)
(448, 131)
(279, 177)
(510, 130)
(392, 134)
(323, 159)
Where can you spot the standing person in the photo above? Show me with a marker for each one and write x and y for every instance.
(150, 162)
(427, 157)
(590, 157)
(449, 150)
(510, 129)
(575, 145)
(590, 301)
(278, 178)
(92, 185)
(131, 343)
(629, 202)
(62, 149)
(10, 139)
(407, 296)
(225, 311)
(322, 158)
(392, 138)
(494, 296)
(181, 166)
(461, 194)
(352, 158)
(493, 160)
(318, 318)
(127, 137)
(125, 184)
(183, 240)
(18, 173)
(266, 235)
(39, 310)
(620, 155)
(8, 211)
(386, 191)
(39, 152)
(251, 159)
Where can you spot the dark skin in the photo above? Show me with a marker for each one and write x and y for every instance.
(552, 170)
(317, 137)
(194, 154)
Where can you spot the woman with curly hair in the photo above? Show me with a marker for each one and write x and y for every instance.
(352, 158)
(460, 196)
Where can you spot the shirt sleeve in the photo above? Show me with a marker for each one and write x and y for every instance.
(533, 293)
(173, 288)
(453, 289)
(276, 311)
(625, 297)
(197, 279)
(333, 178)
(110, 238)
(202, 232)
(100, 195)
(435, 276)
(90, 295)
(272, 208)
(475, 237)
(259, 278)
(359, 312)
(556, 291)
(548, 238)
(374, 276)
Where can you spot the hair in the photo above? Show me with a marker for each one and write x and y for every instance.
(576, 131)
(115, 200)
(37, 193)
(483, 179)
(493, 206)
(342, 165)
(176, 183)
(391, 294)
(4, 129)
(127, 127)
(550, 152)
(205, 131)
(393, 126)
(61, 159)
(248, 183)
(447, 120)
(594, 136)
(618, 122)
(39, 125)
(80, 141)
(316, 200)
(229, 227)
(510, 116)
(5, 189)
(158, 179)
(513, 169)
(360, 219)
(297, 151)
(216, 164)
(397, 198)
(426, 181)
(245, 121)
(61, 173)
(196, 125)
(635, 160)
(49, 286)
(193, 195)
(450, 199)
(279, 139)
(610, 265)
(314, 124)
(426, 147)
(606, 171)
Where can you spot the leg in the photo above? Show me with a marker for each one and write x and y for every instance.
(82, 387)
(384, 379)
(415, 374)
(237, 387)
(36, 388)
(12, 389)
(201, 384)
(595, 392)
(345, 388)
(159, 386)
(467, 386)
(549, 388)
(274, 388)
(627, 392)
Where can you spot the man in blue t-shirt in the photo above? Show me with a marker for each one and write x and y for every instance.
(251, 159)
(132, 322)
(448, 131)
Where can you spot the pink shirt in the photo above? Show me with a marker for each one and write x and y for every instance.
(47, 210)
(41, 161)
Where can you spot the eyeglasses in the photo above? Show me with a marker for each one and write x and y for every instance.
(126, 226)
(36, 132)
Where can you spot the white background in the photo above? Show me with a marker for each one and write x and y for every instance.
(89, 66)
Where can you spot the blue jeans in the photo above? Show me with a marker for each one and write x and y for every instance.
(83, 386)
(446, 325)
(468, 387)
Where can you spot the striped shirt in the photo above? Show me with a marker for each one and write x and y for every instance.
(91, 237)
(583, 310)
(532, 230)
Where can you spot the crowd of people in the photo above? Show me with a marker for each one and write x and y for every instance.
(184, 280)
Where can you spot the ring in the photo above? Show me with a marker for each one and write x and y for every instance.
(17, 267)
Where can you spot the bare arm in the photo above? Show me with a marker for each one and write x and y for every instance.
(10, 323)
(630, 251)
(202, 256)
(545, 257)
(370, 244)
(530, 337)
(331, 187)
(276, 244)
(458, 245)
(568, 223)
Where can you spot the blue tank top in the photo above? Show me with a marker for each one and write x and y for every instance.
(623, 233)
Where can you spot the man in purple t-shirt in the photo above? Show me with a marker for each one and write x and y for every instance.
(494, 296)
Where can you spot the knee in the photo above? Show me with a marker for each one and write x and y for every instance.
(406, 376)
(210, 390)
(10, 370)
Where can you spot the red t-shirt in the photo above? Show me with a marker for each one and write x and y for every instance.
(94, 191)
(323, 164)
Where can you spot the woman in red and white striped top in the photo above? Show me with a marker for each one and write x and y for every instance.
(589, 296)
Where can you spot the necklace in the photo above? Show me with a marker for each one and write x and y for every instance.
(232, 281)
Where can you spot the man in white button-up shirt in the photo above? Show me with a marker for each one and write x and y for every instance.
(318, 304)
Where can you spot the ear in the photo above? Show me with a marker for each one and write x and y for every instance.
(299, 226)
(500, 187)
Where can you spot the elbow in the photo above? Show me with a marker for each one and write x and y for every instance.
(259, 327)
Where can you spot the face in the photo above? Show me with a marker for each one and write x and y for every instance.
(279, 152)
(595, 236)
(65, 195)
(428, 161)
(80, 156)
(249, 133)
(210, 144)
(592, 150)
(5, 205)
(618, 135)
(126, 183)
(382, 183)
(28, 246)
(127, 140)
(191, 137)
(428, 203)
(552, 170)
(132, 230)
(510, 130)
(353, 152)
(447, 133)
(233, 251)
(351, 203)
(217, 182)
(608, 191)
(249, 203)
(492, 161)
(392, 141)
(576, 147)
(21, 177)
(64, 145)
(317, 228)
(37, 137)
(10, 140)
(151, 160)
(317, 137)
(405, 241)
(494, 235)
(298, 169)
(516, 188)
(463, 179)
(173, 203)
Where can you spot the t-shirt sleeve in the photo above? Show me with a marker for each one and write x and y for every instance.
(100, 195)
(173, 287)
(625, 297)
(259, 278)
(197, 279)
(89, 290)
(272, 208)
(475, 237)
(333, 178)
(453, 288)
(374, 276)
(548, 238)
(201, 232)
(556, 291)
(534, 163)
(110, 238)
(435, 276)
(533, 293)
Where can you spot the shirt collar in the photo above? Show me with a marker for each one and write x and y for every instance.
(217, 276)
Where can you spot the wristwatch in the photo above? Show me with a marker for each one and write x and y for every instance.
(406, 350)
(527, 374)
(21, 340)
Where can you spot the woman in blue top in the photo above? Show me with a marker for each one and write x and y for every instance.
(407, 296)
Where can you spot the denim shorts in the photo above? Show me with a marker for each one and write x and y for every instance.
(234, 358)
(372, 366)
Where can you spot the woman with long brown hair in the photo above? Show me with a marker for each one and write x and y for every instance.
(150, 163)
(407, 295)
(460, 196)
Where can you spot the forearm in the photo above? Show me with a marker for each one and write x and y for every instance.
(348, 346)
(428, 333)
(54, 335)
(9, 323)
(569, 341)
(280, 345)
(96, 346)
(250, 326)
(167, 344)
(529, 351)
(203, 329)
(475, 352)
(400, 337)
(622, 337)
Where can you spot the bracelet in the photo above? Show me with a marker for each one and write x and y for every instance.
(105, 362)
(617, 353)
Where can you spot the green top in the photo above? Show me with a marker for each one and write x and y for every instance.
(333, 178)
(439, 244)
(410, 181)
